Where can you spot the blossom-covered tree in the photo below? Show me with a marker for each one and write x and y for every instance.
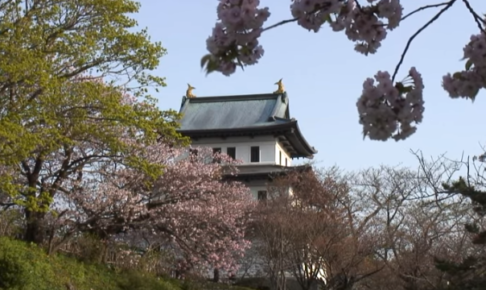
(187, 208)
(387, 108)
(65, 68)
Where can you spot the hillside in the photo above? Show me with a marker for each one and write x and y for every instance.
(26, 267)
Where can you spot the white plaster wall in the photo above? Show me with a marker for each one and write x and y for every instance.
(291, 191)
(243, 144)
(285, 154)
(255, 189)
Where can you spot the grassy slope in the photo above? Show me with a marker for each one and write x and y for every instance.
(27, 267)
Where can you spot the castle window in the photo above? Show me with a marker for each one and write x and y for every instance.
(285, 161)
(255, 154)
(280, 157)
(262, 195)
(231, 151)
(216, 159)
(193, 155)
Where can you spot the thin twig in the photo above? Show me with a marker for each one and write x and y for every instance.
(480, 22)
(423, 8)
(280, 23)
(292, 20)
(409, 42)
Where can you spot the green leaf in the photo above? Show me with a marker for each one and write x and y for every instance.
(209, 64)
(473, 97)
(328, 18)
(403, 89)
(205, 59)
(472, 228)
(468, 64)
(457, 76)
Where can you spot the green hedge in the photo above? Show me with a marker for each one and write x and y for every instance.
(27, 267)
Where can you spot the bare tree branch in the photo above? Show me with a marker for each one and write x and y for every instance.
(479, 21)
(410, 40)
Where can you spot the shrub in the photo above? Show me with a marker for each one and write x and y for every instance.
(27, 267)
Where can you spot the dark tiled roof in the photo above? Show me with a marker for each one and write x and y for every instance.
(246, 115)
(234, 112)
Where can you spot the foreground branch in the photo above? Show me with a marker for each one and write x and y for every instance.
(424, 8)
(280, 23)
(409, 42)
(479, 21)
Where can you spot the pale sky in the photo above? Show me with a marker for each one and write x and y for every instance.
(323, 77)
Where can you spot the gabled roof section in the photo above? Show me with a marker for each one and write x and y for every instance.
(209, 113)
(244, 115)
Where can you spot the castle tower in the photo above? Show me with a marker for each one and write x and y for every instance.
(256, 129)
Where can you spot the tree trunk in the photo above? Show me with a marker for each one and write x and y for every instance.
(216, 275)
(34, 231)
(278, 281)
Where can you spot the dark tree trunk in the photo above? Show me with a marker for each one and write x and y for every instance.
(34, 231)
(216, 275)
(278, 281)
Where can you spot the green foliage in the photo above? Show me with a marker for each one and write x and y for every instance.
(200, 285)
(141, 281)
(467, 275)
(470, 273)
(25, 266)
(209, 64)
(402, 88)
(468, 64)
(67, 69)
(478, 199)
(254, 283)
(10, 223)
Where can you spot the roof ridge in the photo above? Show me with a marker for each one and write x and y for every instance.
(233, 98)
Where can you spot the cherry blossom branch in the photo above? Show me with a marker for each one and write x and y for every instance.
(295, 19)
(410, 40)
(480, 22)
(424, 8)
(280, 23)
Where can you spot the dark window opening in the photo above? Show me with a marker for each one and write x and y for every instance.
(193, 155)
(285, 161)
(216, 159)
(280, 157)
(255, 154)
(262, 195)
(231, 151)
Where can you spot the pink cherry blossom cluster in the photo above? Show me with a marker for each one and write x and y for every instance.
(234, 40)
(235, 37)
(363, 24)
(205, 211)
(468, 82)
(189, 206)
(388, 110)
(312, 14)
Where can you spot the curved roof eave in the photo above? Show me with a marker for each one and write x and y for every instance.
(310, 149)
